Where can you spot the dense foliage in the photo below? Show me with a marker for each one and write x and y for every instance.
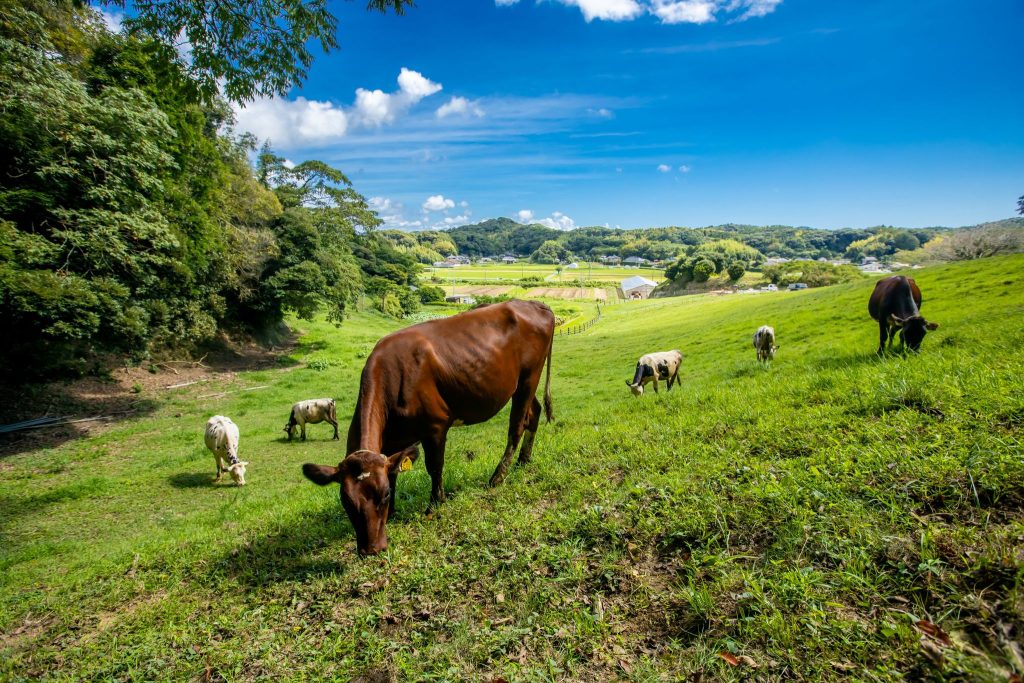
(132, 220)
(741, 242)
(811, 273)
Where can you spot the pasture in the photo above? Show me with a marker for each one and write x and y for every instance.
(517, 271)
(809, 520)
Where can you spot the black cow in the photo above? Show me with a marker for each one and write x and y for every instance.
(896, 304)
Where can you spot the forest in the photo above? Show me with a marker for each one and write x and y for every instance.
(133, 218)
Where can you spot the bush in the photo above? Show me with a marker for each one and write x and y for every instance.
(430, 294)
(736, 270)
(703, 270)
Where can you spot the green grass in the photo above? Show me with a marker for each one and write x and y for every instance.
(804, 515)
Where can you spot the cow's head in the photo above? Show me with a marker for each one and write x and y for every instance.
(289, 430)
(237, 472)
(637, 389)
(913, 329)
(366, 491)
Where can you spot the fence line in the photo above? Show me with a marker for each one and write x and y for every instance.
(578, 329)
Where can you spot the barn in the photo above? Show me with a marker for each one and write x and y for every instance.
(637, 287)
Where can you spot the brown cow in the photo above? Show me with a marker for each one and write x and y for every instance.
(896, 304)
(421, 381)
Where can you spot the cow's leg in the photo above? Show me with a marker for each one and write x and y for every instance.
(883, 334)
(532, 421)
(655, 380)
(303, 428)
(516, 425)
(433, 454)
(219, 469)
(334, 423)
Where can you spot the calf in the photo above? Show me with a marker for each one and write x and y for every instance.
(651, 367)
(222, 440)
(764, 343)
(313, 411)
(421, 381)
(896, 304)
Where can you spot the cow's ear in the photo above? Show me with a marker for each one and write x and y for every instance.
(932, 326)
(321, 475)
(402, 460)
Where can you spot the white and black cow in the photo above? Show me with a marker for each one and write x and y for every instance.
(222, 440)
(313, 411)
(651, 367)
(764, 343)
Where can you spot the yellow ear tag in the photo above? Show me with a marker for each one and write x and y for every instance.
(406, 465)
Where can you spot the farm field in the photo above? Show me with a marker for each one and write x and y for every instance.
(809, 520)
(569, 293)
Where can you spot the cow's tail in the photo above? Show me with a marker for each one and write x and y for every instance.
(548, 409)
(334, 410)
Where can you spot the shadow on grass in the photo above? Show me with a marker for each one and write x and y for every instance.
(191, 480)
(317, 543)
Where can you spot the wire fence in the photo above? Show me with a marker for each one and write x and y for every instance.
(582, 327)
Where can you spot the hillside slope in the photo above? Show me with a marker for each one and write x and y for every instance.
(800, 518)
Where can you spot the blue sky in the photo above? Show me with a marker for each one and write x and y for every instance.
(635, 113)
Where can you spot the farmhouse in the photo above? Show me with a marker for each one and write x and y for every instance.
(637, 287)
(508, 259)
(460, 299)
(635, 261)
(611, 260)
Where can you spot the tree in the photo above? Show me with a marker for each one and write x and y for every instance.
(550, 252)
(703, 269)
(736, 270)
(256, 48)
(1020, 205)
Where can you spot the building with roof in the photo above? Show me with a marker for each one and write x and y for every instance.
(637, 287)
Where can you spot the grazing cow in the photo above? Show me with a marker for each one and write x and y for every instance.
(423, 380)
(896, 304)
(222, 440)
(313, 411)
(764, 343)
(663, 365)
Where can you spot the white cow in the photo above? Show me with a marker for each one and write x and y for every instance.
(222, 440)
(651, 367)
(313, 411)
(764, 343)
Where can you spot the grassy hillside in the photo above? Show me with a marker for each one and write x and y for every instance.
(800, 518)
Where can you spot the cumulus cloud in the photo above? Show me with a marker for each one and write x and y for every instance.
(684, 169)
(669, 11)
(293, 123)
(524, 216)
(391, 212)
(438, 202)
(459, 106)
(664, 168)
(557, 221)
(374, 108)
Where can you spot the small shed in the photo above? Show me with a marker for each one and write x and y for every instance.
(460, 299)
(637, 287)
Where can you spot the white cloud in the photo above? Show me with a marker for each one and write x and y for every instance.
(609, 10)
(664, 168)
(292, 123)
(288, 123)
(438, 203)
(668, 11)
(374, 108)
(754, 8)
(557, 221)
(601, 112)
(112, 19)
(524, 216)
(459, 106)
(684, 169)
(685, 11)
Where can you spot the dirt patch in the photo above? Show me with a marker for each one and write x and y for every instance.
(481, 290)
(125, 392)
(28, 630)
(570, 293)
